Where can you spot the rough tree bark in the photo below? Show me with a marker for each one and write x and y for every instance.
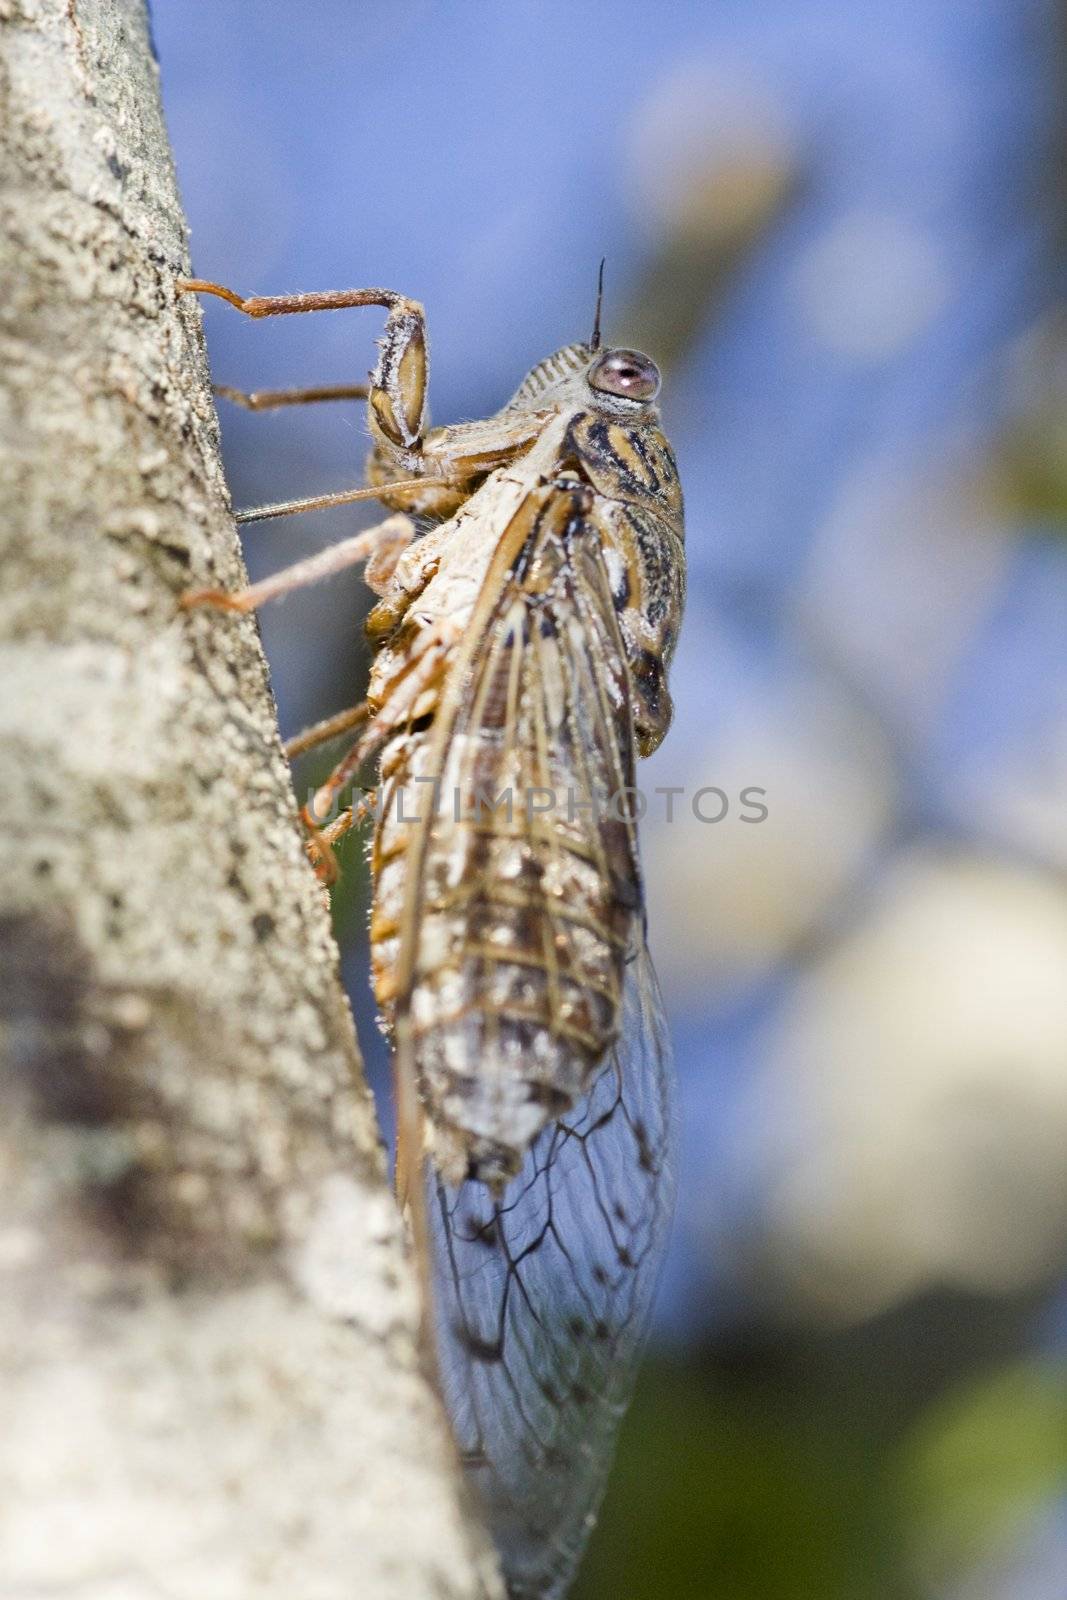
(207, 1326)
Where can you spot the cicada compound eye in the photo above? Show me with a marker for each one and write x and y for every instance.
(626, 373)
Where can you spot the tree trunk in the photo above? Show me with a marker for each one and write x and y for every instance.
(207, 1323)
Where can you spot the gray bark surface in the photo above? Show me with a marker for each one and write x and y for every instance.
(209, 1384)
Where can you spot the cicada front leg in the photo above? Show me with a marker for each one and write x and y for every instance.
(409, 469)
(397, 391)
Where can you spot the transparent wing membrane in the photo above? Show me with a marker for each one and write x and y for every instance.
(542, 1298)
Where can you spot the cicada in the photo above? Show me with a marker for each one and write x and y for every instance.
(530, 584)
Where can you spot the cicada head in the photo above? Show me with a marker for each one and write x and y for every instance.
(620, 383)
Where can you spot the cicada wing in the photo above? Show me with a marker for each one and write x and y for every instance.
(516, 934)
(542, 1298)
(517, 919)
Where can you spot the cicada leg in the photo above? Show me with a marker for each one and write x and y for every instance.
(397, 392)
(274, 399)
(419, 673)
(408, 470)
(382, 546)
(322, 840)
(323, 732)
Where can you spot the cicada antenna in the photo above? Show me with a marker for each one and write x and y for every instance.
(594, 342)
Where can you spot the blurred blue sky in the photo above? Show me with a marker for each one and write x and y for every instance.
(869, 638)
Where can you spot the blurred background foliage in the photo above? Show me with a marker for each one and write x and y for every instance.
(840, 227)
